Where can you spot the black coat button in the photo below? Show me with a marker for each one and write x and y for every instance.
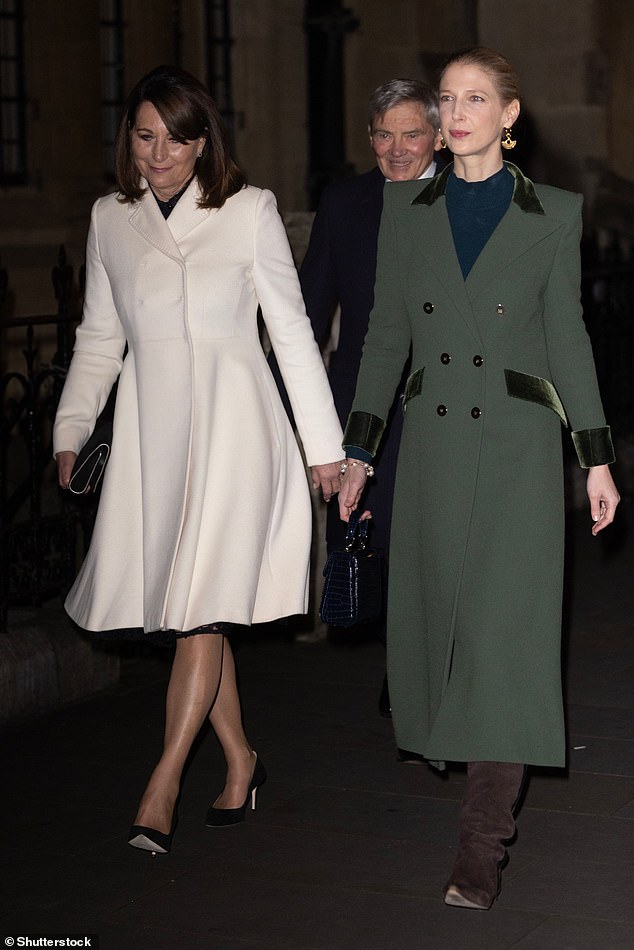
(476, 412)
(477, 360)
(428, 307)
(445, 358)
(441, 410)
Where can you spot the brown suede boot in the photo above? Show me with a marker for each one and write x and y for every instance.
(487, 824)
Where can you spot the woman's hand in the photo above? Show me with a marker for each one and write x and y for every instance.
(352, 485)
(327, 477)
(603, 497)
(65, 462)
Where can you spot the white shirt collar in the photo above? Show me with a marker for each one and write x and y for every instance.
(429, 172)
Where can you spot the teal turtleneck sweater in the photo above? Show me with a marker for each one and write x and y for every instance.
(475, 209)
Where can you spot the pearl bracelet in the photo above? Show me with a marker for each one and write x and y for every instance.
(369, 470)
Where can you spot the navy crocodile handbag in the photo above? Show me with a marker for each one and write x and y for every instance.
(352, 580)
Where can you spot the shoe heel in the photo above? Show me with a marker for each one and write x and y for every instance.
(220, 817)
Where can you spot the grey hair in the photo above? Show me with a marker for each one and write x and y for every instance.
(395, 91)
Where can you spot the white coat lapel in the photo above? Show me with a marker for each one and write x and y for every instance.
(145, 217)
(187, 215)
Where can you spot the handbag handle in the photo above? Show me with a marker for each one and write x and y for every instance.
(357, 533)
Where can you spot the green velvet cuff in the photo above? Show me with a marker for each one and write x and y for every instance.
(363, 430)
(594, 446)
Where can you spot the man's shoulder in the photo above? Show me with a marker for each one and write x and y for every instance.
(359, 187)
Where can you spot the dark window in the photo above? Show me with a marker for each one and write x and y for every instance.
(13, 168)
(112, 76)
(219, 44)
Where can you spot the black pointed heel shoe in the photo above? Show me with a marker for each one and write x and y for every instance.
(221, 817)
(149, 839)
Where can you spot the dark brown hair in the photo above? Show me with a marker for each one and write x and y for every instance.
(502, 74)
(188, 112)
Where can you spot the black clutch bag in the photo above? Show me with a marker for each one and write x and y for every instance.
(352, 580)
(91, 461)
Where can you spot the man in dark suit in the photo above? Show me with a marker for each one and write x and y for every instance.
(340, 263)
(337, 274)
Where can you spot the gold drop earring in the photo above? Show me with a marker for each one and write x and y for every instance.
(443, 144)
(507, 141)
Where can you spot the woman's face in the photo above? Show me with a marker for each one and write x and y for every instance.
(166, 163)
(472, 116)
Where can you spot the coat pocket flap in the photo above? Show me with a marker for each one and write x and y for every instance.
(413, 386)
(535, 389)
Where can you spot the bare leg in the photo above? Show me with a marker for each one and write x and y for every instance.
(194, 682)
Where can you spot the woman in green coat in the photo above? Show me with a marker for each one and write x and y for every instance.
(479, 272)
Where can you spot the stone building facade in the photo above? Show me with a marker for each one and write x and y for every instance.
(574, 60)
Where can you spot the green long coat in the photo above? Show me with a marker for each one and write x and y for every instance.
(499, 361)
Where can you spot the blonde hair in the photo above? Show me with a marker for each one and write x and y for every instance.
(501, 72)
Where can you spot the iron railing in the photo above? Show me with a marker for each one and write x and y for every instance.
(37, 525)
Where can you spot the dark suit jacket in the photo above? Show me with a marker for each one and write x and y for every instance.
(339, 268)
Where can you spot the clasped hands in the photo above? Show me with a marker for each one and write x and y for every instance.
(327, 477)
(350, 485)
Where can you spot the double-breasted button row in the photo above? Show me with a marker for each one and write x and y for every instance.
(476, 412)
(445, 358)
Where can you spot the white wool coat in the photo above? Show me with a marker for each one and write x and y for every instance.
(205, 511)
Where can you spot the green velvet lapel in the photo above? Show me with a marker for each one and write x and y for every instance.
(524, 194)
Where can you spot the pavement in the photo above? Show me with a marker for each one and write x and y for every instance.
(349, 848)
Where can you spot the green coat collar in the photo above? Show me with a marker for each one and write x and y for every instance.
(524, 194)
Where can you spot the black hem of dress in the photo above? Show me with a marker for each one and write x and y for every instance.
(161, 638)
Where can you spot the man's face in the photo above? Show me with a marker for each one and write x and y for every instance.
(404, 141)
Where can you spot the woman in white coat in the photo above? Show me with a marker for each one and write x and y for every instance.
(204, 520)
